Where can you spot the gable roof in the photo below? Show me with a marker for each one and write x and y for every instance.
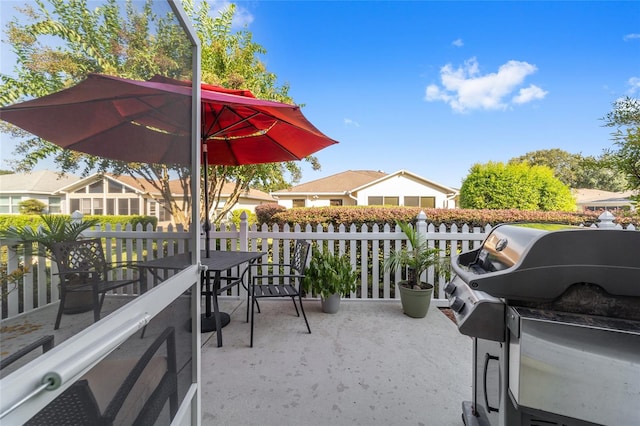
(38, 182)
(174, 186)
(353, 181)
(339, 183)
(444, 188)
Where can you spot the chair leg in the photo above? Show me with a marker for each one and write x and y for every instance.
(253, 301)
(293, 299)
(303, 314)
(60, 309)
(96, 307)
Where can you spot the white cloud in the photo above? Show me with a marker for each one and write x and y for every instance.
(457, 42)
(529, 94)
(465, 88)
(634, 83)
(350, 122)
(630, 37)
(241, 17)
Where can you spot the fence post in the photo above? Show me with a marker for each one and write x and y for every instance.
(421, 229)
(76, 217)
(605, 220)
(244, 232)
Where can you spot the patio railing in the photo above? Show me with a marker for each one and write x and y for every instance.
(367, 247)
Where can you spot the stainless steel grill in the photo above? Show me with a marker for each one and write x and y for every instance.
(555, 318)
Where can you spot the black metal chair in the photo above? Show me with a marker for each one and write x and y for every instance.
(46, 342)
(283, 280)
(83, 268)
(78, 406)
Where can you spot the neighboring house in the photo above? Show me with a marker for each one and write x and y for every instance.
(369, 188)
(102, 194)
(43, 185)
(596, 199)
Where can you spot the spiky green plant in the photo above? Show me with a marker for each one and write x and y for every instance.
(416, 256)
(56, 228)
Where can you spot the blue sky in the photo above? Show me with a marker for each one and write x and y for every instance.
(434, 87)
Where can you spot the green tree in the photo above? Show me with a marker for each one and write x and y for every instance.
(514, 186)
(31, 206)
(132, 41)
(576, 171)
(625, 156)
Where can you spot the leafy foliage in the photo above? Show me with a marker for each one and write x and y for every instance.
(56, 228)
(235, 217)
(577, 171)
(514, 186)
(31, 206)
(265, 212)
(33, 221)
(57, 43)
(625, 118)
(416, 256)
(329, 273)
(377, 215)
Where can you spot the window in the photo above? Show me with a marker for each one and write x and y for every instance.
(85, 206)
(163, 214)
(5, 205)
(428, 202)
(111, 206)
(374, 201)
(96, 188)
(415, 201)
(391, 201)
(114, 188)
(335, 202)
(55, 205)
(98, 206)
(123, 206)
(299, 202)
(74, 204)
(383, 201)
(134, 206)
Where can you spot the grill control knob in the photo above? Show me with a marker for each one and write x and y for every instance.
(457, 304)
(450, 288)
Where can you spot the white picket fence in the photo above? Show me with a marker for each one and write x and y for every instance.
(367, 247)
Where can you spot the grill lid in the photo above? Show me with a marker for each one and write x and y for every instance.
(525, 263)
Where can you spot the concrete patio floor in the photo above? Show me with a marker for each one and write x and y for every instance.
(369, 364)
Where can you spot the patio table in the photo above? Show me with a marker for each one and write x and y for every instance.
(215, 265)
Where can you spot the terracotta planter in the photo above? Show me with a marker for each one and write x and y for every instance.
(415, 303)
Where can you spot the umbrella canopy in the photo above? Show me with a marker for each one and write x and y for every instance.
(144, 121)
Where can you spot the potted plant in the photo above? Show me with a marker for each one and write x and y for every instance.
(331, 276)
(56, 228)
(417, 257)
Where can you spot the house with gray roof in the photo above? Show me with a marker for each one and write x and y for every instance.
(103, 194)
(43, 185)
(369, 188)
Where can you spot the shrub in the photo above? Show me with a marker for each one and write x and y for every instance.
(31, 206)
(265, 212)
(514, 185)
(235, 217)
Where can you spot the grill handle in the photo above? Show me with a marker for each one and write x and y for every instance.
(488, 358)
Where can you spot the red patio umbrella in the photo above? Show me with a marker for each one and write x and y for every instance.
(146, 121)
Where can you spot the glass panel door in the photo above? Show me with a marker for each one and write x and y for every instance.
(112, 341)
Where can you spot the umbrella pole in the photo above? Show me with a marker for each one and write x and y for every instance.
(207, 224)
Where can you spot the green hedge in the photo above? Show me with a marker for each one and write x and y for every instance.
(361, 215)
(22, 220)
